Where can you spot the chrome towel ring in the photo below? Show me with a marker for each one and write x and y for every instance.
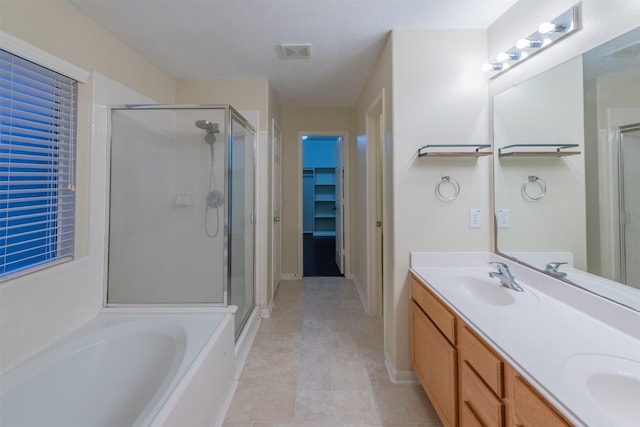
(534, 188)
(453, 183)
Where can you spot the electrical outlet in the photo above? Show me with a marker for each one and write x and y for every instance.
(504, 218)
(474, 218)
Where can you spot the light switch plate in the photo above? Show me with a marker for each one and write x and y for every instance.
(504, 218)
(474, 218)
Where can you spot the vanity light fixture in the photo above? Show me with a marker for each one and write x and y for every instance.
(547, 34)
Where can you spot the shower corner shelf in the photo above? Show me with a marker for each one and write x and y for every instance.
(468, 150)
(538, 150)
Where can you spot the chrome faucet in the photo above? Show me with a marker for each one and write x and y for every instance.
(552, 268)
(505, 276)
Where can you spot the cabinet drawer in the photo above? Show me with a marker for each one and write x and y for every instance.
(478, 400)
(439, 314)
(481, 358)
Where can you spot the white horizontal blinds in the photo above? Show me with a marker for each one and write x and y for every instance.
(37, 164)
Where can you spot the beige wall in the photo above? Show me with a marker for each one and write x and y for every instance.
(439, 97)
(39, 308)
(241, 94)
(294, 121)
(425, 102)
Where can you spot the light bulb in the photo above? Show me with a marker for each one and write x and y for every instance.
(502, 56)
(547, 27)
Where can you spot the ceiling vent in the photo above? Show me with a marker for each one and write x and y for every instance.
(295, 50)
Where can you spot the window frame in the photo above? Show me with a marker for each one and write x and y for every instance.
(53, 189)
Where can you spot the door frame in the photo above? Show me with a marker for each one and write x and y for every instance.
(345, 214)
(375, 173)
(275, 202)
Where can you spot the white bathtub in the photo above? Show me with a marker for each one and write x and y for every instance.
(117, 370)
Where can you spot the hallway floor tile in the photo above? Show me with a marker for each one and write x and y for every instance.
(319, 361)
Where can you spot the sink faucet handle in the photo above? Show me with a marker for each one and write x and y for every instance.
(502, 267)
(553, 266)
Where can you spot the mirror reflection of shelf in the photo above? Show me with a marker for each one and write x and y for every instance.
(537, 150)
(454, 150)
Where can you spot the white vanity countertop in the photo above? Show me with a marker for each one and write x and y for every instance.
(554, 334)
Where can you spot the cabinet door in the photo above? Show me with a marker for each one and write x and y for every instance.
(529, 409)
(434, 361)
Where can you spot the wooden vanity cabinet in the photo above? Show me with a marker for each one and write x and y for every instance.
(468, 383)
(433, 352)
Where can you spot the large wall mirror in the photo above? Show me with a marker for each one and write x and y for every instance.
(567, 170)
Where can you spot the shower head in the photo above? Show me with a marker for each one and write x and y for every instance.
(208, 126)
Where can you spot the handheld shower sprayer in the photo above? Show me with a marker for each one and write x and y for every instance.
(211, 129)
(215, 198)
(208, 126)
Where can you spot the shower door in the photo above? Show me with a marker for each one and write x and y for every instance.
(166, 208)
(629, 200)
(241, 218)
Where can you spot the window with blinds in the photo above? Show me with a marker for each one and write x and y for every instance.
(37, 166)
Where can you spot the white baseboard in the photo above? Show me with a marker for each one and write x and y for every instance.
(363, 300)
(265, 313)
(290, 276)
(399, 377)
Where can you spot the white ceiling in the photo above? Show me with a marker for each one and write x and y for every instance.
(240, 38)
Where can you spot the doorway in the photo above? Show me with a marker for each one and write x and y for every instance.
(322, 205)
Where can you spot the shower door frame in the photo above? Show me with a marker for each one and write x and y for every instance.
(229, 114)
(622, 244)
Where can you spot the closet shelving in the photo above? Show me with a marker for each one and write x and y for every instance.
(324, 203)
(454, 150)
(538, 150)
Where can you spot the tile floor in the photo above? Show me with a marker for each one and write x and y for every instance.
(318, 361)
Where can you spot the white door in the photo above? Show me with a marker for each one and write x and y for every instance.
(339, 207)
(276, 172)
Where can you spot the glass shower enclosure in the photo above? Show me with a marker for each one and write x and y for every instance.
(181, 211)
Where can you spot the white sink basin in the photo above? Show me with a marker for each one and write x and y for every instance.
(480, 287)
(611, 383)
